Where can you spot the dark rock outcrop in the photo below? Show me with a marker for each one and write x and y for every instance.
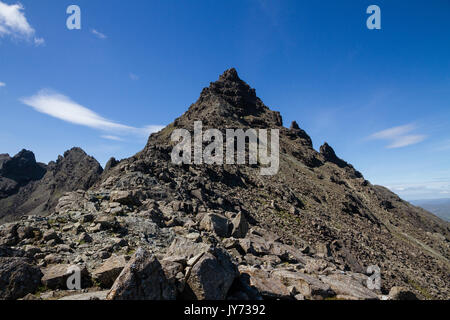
(18, 278)
(328, 153)
(37, 188)
(18, 171)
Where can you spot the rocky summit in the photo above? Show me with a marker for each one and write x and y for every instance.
(31, 188)
(146, 228)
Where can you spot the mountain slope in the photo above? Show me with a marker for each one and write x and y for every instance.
(317, 224)
(315, 200)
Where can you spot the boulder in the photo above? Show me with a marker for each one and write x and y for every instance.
(174, 273)
(142, 279)
(306, 285)
(346, 285)
(268, 286)
(51, 235)
(108, 272)
(216, 224)
(18, 278)
(211, 277)
(55, 276)
(124, 197)
(85, 238)
(183, 249)
(402, 293)
(240, 226)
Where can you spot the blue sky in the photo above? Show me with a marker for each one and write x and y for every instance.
(381, 98)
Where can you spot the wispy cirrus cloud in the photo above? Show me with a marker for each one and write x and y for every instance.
(113, 138)
(400, 136)
(98, 34)
(433, 188)
(14, 24)
(134, 77)
(2, 84)
(62, 107)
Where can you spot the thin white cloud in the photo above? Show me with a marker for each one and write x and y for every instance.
(404, 141)
(62, 107)
(114, 138)
(14, 24)
(421, 189)
(134, 77)
(39, 41)
(2, 84)
(399, 136)
(392, 133)
(98, 34)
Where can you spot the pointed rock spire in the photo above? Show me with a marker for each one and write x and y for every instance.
(328, 153)
(294, 126)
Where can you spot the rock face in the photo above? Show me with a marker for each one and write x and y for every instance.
(56, 276)
(27, 187)
(211, 277)
(108, 272)
(349, 287)
(400, 293)
(18, 278)
(215, 223)
(224, 231)
(18, 171)
(142, 279)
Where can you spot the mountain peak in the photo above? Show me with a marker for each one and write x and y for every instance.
(235, 91)
(230, 75)
(230, 102)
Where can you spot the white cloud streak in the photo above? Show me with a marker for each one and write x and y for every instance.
(2, 84)
(39, 42)
(14, 24)
(421, 189)
(62, 107)
(399, 136)
(113, 138)
(98, 34)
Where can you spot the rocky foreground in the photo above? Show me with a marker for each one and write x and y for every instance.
(148, 229)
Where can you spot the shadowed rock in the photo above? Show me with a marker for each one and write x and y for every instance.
(142, 279)
(38, 187)
(18, 278)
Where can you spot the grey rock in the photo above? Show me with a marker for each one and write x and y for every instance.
(306, 285)
(56, 276)
(212, 275)
(216, 223)
(108, 272)
(18, 278)
(347, 285)
(240, 226)
(142, 279)
(402, 293)
(98, 295)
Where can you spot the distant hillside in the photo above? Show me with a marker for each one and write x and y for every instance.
(440, 207)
